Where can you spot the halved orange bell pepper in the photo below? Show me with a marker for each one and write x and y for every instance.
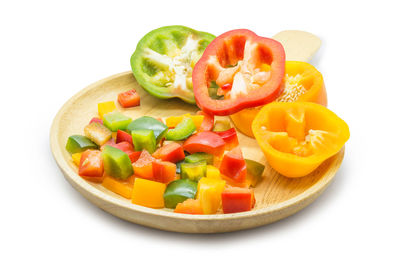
(148, 193)
(297, 137)
(122, 188)
(303, 83)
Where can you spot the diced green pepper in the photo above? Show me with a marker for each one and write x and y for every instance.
(183, 130)
(194, 171)
(143, 139)
(254, 171)
(116, 120)
(222, 125)
(164, 59)
(98, 133)
(78, 143)
(178, 191)
(116, 163)
(147, 122)
(200, 156)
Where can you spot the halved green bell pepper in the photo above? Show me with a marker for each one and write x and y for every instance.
(78, 143)
(115, 120)
(178, 191)
(164, 59)
(149, 123)
(183, 130)
(194, 171)
(200, 156)
(116, 163)
(143, 139)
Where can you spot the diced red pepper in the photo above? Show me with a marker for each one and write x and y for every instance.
(123, 136)
(234, 166)
(164, 172)
(172, 152)
(230, 138)
(236, 199)
(96, 120)
(143, 167)
(129, 98)
(91, 166)
(205, 141)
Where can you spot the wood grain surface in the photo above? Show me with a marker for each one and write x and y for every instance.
(276, 196)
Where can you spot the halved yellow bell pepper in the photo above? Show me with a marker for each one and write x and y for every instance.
(119, 187)
(209, 192)
(297, 137)
(173, 121)
(148, 193)
(303, 83)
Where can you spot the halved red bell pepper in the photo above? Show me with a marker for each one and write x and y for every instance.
(230, 138)
(164, 172)
(205, 141)
(238, 58)
(123, 136)
(91, 166)
(208, 122)
(171, 152)
(234, 166)
(236, 199)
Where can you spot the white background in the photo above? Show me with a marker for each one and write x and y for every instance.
(51, 50)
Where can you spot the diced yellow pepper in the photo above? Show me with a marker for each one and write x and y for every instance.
(119, 187)
(209, 192)
(114, 135)
(148, 193)
(105, 108)
(173, 121)
(213, 172)
(76, 158)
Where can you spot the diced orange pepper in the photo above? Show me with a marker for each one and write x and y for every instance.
(148, 193)
(105, 108)
(143, 167)
(173, 121)
(209, 193)
(189, 206)
(119, 187)
(164, 172)
(303, 83)
(297, 137)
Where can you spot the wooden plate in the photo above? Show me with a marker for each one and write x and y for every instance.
(277, 196)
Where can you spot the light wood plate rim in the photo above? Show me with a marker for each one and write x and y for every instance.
(107, 202)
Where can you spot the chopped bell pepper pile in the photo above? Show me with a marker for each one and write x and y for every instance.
(187, 163)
